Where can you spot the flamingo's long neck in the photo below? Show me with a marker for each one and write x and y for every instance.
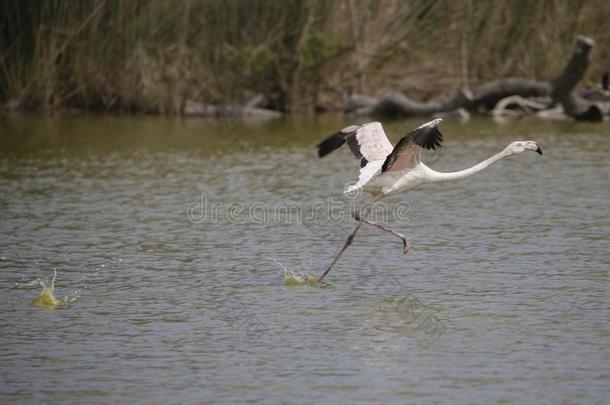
(439, 176)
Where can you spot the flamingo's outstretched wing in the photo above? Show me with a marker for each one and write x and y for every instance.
(407, 152)
(367, 141)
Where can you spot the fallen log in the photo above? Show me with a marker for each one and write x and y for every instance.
(563, 86)
(595, 95)
(517, 106)
(396, 104)
(487, 95)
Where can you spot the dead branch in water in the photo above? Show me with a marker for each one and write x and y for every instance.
(521, 92)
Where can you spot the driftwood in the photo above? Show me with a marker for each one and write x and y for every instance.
(563, 86)
(486, 96)
(540, 95)
(397, 104)
(596, 94)
(518, 106)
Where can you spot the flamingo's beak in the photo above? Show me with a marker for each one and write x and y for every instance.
(539, 150)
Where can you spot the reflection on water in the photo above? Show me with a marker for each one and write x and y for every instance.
(502, 298)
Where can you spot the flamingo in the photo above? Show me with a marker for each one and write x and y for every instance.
(386, 170)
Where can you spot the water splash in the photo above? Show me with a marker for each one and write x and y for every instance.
(27, 284)
(47, 298)
(292, 279)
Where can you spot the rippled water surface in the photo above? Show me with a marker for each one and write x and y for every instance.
(173, 237)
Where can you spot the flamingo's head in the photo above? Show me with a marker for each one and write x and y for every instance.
(521, 146)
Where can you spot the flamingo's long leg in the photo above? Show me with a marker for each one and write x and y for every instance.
(348, 242)
(350, 238)
(406, 245)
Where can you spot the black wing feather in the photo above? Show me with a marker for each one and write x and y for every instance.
(336, 140)
(333, 142)
(426, 137)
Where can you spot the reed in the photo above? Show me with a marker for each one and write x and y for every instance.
(153, 55)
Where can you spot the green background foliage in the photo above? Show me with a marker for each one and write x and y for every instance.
(153, 56)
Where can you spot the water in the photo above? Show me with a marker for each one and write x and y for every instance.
(503, 298)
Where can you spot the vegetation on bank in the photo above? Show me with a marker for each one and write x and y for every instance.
(155, 55)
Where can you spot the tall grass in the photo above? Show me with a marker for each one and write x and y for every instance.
(153, 55)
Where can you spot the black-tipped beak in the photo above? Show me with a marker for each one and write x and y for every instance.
(539, 150)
